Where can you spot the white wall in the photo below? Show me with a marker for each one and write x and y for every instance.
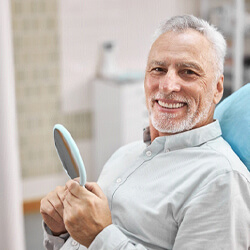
(11, 221)
(84, 25)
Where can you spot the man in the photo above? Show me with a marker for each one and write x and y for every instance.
(184, 188)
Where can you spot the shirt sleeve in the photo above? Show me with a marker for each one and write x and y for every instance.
(52, 242)
(218, 216)
(112, 238)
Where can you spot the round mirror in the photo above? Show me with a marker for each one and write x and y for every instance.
(69, 154)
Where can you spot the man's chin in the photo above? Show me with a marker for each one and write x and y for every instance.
(171, 127)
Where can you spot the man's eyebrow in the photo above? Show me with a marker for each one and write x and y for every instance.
(191, 65)
(157, 63)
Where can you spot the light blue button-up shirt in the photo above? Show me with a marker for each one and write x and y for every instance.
(185, 191)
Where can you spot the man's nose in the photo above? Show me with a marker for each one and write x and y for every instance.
(169, 82)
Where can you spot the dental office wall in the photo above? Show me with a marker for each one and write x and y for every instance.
(11, 216)
(56, 45)
(56, 50)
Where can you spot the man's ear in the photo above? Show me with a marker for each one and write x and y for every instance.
(219, 90)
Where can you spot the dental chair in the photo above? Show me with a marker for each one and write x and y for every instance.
(234, 116)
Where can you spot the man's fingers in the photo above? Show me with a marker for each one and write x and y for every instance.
(74, 188)
(58, 203)
(63, 194)
(67, 205)
(48, 208)
(52, 204)
(95, 189)
(58, 206)
(77, 179)
(70, 200)
(56, 199)
(80, 192)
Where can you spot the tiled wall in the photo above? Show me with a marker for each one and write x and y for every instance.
(38, 93)
(56, 51)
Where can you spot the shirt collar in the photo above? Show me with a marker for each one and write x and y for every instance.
(146, 136)
(191, 138)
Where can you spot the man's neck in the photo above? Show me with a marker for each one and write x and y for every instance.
(155, 133)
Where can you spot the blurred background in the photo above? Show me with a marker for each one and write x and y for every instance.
(81, 63)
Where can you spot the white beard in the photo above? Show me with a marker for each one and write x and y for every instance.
(169, 123)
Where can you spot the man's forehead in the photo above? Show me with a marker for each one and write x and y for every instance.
(188, 40)
(194, 34)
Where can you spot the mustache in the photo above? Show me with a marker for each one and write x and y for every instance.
(172, 96)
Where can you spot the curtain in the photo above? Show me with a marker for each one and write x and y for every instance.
(11, 216)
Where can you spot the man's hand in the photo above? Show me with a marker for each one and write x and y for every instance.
(86, 211)
(52, 210)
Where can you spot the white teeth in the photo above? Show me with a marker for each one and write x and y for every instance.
(171, 105)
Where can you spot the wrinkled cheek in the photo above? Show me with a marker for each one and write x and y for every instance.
(151, 86)
(196, 107)
(192, 107)
(149, 102)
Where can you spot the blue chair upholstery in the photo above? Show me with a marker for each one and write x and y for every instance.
(234, 116)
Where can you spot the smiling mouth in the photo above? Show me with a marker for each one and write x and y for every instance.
(175, 105)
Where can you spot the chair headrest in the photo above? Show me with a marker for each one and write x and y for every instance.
(234, 116)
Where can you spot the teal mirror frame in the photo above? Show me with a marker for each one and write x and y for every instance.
(74, 152)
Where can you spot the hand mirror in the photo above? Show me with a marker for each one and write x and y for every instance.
(69, 154)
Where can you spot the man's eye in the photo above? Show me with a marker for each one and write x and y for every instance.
(157, 69)
(189, 72)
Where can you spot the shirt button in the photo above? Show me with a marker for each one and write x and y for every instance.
(74, 243)
(119, 180)
(148, 153)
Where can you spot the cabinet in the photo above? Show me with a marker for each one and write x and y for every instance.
(120, 115)
(232, 18)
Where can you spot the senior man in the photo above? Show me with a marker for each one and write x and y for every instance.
(183, 187)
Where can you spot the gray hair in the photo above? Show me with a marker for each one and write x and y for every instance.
(182, 23)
